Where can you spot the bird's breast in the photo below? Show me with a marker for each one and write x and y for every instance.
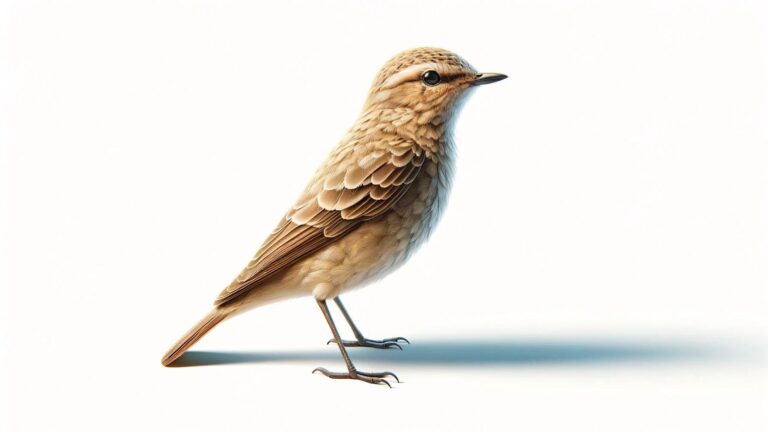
(421, 208)
(381, 245)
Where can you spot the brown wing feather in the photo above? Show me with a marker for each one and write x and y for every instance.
(342, 195)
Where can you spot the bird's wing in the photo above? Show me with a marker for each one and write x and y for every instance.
(356, 184)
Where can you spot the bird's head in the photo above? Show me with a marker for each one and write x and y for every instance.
(428, 81)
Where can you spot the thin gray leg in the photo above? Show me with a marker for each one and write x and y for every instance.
(360, 340)
(352, 372)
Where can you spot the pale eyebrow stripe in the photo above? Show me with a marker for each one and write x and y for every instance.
(406, 73)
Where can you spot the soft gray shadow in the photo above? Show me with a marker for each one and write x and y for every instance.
(497, 353)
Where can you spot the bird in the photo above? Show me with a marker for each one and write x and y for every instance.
(374, 200)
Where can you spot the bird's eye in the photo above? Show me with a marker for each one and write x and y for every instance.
(431, 78)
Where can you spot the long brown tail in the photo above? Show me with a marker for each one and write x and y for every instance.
(214, 317)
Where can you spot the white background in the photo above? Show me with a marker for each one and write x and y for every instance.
(601, 265)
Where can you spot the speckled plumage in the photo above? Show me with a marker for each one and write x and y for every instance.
(377, 196)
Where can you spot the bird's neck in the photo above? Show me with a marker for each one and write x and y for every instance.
(430, 131)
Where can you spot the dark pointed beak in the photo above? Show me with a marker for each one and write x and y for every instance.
(487, 78)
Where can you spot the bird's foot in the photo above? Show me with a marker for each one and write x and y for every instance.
(371, 343)
(369, 377)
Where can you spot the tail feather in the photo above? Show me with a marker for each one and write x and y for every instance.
(214, 317)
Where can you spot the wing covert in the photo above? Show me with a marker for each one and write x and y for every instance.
(356, 184)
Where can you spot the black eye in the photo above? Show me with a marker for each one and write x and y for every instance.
(431, 78)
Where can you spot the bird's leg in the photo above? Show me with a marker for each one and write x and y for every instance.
(360, 340)
(352, 373)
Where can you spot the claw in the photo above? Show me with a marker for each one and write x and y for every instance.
(369, 377)
(379, 375)
(370, 343)
(392, 375)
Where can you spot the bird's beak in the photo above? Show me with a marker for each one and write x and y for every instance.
(487, 78)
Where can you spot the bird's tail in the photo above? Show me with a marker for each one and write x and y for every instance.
(199, 330)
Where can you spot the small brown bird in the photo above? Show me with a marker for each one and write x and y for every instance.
(374, 200)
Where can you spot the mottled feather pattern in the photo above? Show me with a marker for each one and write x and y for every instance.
(349, 195)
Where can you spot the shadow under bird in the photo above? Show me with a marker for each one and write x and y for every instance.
(372, 202)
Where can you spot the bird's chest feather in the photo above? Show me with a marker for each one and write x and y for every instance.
(380, 246)
(421, 209)
(412, 220)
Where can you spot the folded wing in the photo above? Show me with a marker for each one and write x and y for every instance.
(357, 183)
